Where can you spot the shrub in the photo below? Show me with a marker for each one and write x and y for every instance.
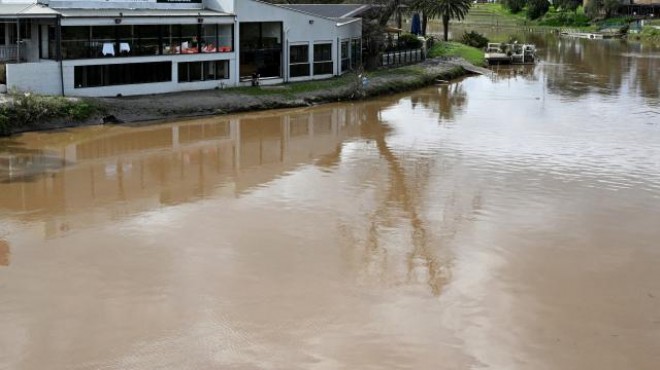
(409, 41)
(537, 8)
(565, 19)
(514, 6)
(29, 110)
(474, 39)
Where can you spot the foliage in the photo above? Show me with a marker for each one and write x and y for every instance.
(592, 8)
(474, 39)
(650, 34)
(409, 41)
(570, 5)
(29, 110)
(537, 8)
(444, 9)
(611, 7)
(455, 49)
(565, 19)
(514, 6)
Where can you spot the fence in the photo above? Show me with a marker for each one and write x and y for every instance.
(402, 57)
(8, 53)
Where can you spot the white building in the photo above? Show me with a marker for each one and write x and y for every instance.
(131, 47)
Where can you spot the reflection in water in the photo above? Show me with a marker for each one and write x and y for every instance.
(171, 164)
(4, 253)
(449, 101)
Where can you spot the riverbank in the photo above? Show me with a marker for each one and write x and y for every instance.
(232, 100)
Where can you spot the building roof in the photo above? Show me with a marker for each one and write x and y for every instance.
(26, 11)
(40, 11)
(127, 13)
(333, 11)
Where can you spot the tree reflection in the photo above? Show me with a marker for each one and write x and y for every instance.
(400, 209)
(449, 101)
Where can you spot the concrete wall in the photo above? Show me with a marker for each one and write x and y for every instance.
(43, 78)
(226, 6)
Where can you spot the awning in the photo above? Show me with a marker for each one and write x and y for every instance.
(23, 11)
(141, 13)
(87, 17)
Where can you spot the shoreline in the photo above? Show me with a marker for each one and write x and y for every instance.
(167, 107)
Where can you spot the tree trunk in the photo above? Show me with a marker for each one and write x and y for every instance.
(425, 21)
(445, 26)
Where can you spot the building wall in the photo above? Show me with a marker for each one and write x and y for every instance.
(299, 28)
(226, 6)
(43, 78)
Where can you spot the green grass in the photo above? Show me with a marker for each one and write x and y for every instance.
(293, 88)
(494, 14)
(455, 49)
(649, 34)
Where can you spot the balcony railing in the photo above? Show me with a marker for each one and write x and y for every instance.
(8, 53)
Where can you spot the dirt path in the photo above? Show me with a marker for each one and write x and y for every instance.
(209, 102)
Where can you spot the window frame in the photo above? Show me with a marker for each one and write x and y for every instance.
(306, 62)
(320, 62)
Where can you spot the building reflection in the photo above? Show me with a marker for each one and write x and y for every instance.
(4, 253)
(147, 167)
(608, 67)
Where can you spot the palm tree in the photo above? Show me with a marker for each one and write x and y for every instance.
(445, 9)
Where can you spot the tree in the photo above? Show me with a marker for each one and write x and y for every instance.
(444, 9)
(537, 8)
(514, 6)
(570, 5)
(611, 7)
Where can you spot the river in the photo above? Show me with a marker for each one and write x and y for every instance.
(505, 222)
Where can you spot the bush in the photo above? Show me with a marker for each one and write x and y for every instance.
(593, 7)
(565, 19)
(537, 8)
(474, 39)
(409, 41)
(515, 6)
(29, 110)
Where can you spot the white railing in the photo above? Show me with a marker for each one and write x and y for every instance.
(8, 53)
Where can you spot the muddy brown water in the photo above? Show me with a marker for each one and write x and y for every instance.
(503, 222)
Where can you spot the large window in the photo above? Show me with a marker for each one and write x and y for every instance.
(25, 30)
(122, 74)
(299, 60)
(113, 41)
(322, 59)
(204, 71)
(261, 49)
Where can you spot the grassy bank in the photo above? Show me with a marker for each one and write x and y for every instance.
(25, 111)
(649, 34)
(498, 15)
(455, 49)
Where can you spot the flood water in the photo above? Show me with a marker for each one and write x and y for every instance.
(503, 222)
